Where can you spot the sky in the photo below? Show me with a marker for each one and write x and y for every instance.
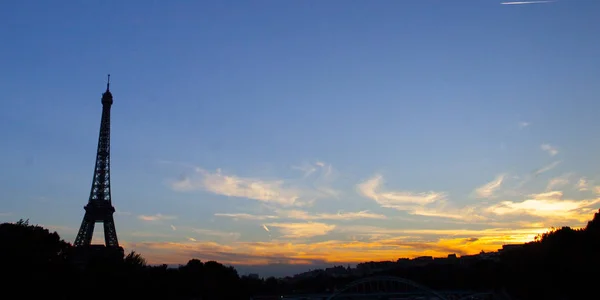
(304, 133)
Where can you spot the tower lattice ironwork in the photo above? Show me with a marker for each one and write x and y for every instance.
(99, 208)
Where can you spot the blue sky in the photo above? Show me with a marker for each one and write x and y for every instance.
(267, 131)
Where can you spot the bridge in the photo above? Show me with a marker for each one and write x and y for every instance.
(395, 288)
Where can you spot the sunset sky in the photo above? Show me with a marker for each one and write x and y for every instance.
(304, 132)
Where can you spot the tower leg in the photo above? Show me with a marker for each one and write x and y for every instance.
(86, 231)
(110, 232)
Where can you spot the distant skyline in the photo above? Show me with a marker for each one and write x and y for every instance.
(304, 132)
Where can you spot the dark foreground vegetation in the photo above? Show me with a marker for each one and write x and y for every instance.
(35, 264)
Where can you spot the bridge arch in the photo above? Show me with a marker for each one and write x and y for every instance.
(477, 296)
(386, 284)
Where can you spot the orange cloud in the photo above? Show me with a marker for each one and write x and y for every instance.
(487, 190)
(302, 230)
(549, 205)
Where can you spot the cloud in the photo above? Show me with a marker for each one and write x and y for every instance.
(217, 233)
(303, 215)
(245, 216)
(271, 191)
(550, 149)
(173, 227)
(527, 178)
(527, 2)
(487, 190)
(345, 216)
(306, 169)
(399, 200)
(552, 195)
(365, 214)
(546, 168)
(547, 205)
(302, 230)
(157, 217)
(148, 234)
(524, 124)
(298, 234)
(523, 234)
(391, 244)
(559, 181)
(267, 191)
(582, 184)
(323, 169)
(467, 213)
(430, 204)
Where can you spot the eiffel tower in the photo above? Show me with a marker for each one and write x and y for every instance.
(99, 208)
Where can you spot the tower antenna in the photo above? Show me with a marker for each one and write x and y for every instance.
(108, 82)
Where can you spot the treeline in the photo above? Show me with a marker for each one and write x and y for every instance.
(560, 264)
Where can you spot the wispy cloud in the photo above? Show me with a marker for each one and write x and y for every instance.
(546, 168)
(526, 2)
(431, 204)
(582, 184)
(524, 124)
(217, 233)
(317, 168)
(547, 205)
(558, 182)
(173, 227)
(403, 200)
(306, 169)
(246, 216)
(152, 234)
(365, 214)
(306, 216)
(487, 190)
(156, 217)
(529, 177)
(550, 149)
(302, 215)
(302, 230)
(273, 191)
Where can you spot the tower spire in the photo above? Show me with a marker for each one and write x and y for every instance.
(108, 83)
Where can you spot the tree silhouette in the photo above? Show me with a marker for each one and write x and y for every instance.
(555, 266)
(135, 260)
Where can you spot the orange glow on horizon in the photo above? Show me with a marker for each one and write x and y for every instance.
(334, 251)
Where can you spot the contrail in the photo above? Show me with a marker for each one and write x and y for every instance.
(527, 2)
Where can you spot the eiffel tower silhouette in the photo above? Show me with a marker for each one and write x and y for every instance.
(99, 208)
